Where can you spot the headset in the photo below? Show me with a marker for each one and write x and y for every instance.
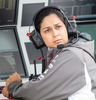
(35, 36)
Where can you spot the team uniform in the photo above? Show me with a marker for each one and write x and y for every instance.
(71, 75)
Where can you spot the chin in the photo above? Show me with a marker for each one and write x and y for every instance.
(53, 46)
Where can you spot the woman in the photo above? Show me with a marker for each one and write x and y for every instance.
(70, 72)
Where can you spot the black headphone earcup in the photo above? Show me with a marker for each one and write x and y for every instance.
(36, 39)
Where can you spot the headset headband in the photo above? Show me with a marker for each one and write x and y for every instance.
(44, 8)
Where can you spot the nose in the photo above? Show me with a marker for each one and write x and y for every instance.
(55, 33)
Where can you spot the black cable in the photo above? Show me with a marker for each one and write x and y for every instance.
(42, 53)
(35, 67)
(43, 60)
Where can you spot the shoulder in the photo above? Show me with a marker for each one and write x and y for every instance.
(69, 58)
(71, 53)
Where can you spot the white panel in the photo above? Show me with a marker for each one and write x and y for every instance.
(22, 31)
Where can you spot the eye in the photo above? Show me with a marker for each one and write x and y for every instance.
(58, 26)
(47, 30)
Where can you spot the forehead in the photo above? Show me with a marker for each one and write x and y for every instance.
(52, 18)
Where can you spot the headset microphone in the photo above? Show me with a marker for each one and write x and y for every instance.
(71, 42)
(60, 46)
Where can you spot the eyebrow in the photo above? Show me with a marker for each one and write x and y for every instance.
(45, 28)
(49, 26)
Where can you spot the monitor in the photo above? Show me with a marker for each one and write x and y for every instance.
(29, 9)
(8, 12)
(82, 9)
(11, 59)
(89, 27)
(35, 54)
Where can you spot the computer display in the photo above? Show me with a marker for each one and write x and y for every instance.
(11, 59)
(35, 54)
(82, 9)
(8, 12)
(29, 9)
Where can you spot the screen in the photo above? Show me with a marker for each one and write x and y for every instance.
(8, 12)
(82, 9)
(89, 28)
(34, 54)
(10, 55)
(28, 12)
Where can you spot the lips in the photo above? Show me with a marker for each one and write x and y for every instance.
(58, 41)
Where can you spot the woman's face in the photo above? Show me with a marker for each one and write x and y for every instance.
(53, 31)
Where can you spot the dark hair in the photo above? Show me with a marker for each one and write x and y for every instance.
(38, 18)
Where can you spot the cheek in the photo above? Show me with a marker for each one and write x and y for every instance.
(47, 40)
(65, 36)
